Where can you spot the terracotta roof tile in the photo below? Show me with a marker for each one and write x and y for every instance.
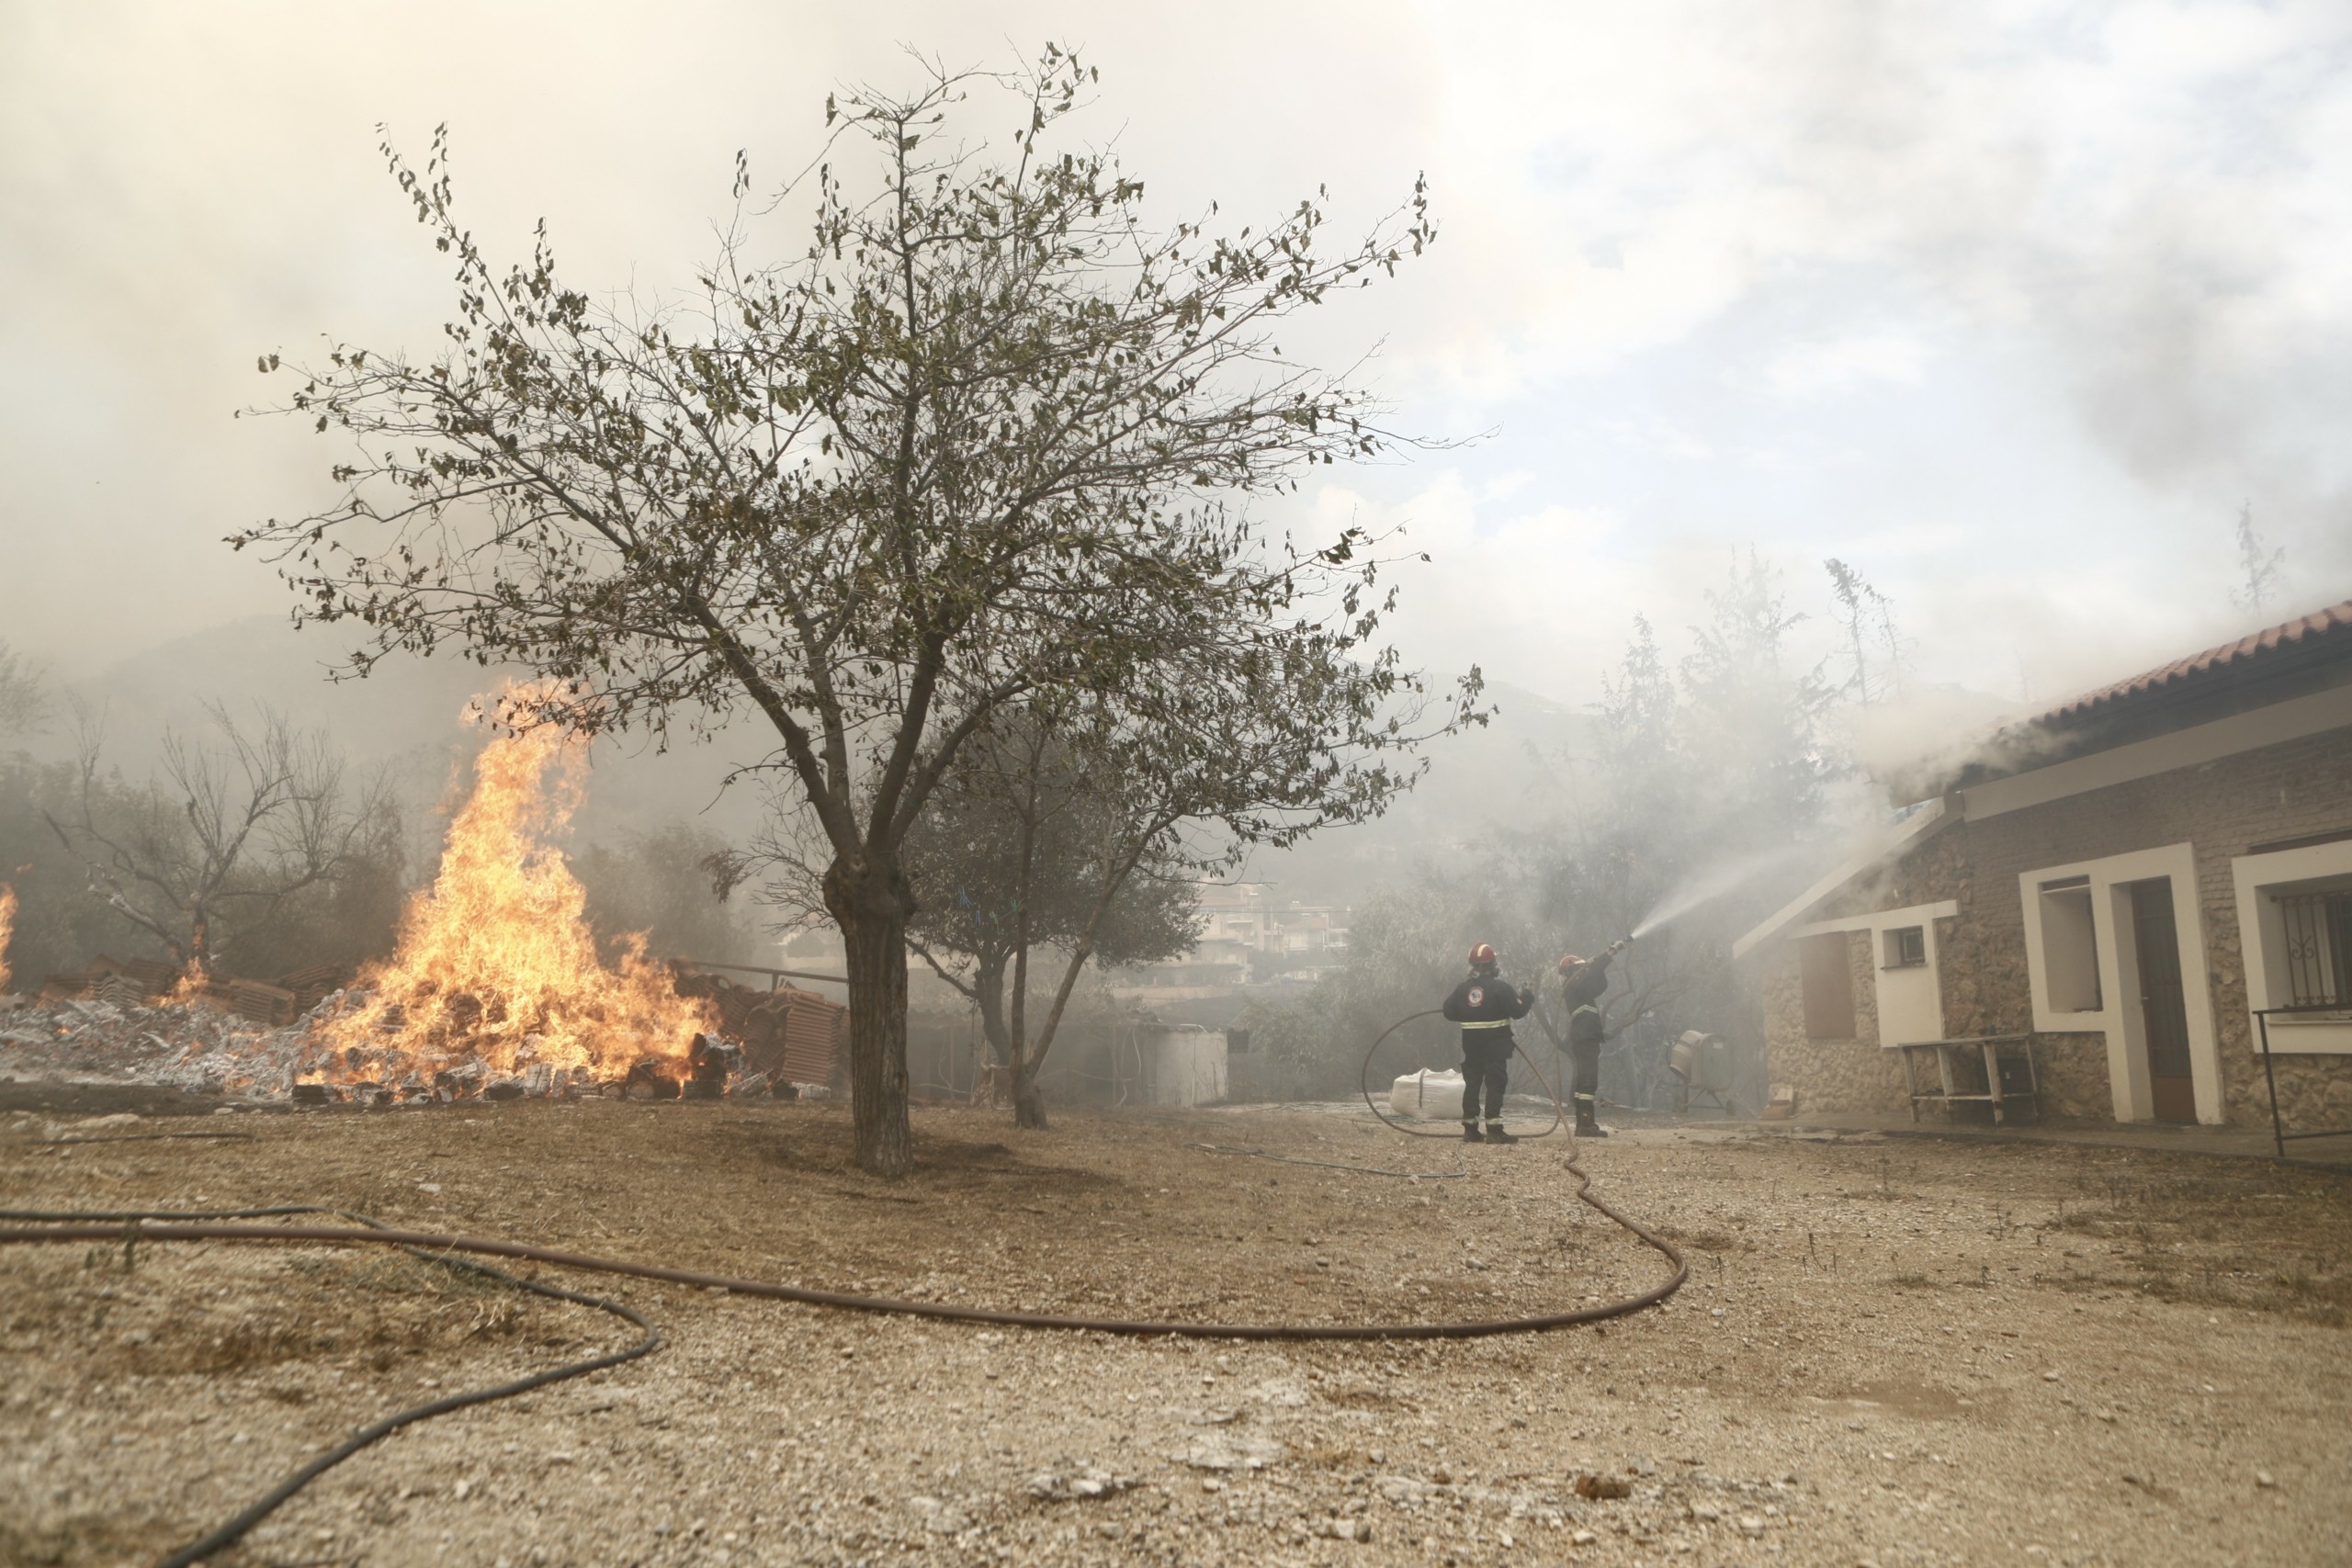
(2332, 622)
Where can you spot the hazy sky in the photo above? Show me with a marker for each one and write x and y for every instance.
(2010, 304)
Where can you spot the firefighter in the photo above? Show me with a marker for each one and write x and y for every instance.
(1483, 1005)
(1582, 982)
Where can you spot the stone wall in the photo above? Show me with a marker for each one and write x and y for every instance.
(1853, 1077)
(2223, 808)
(2073, 1074)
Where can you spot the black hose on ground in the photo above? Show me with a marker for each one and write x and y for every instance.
(139, 1231)
(130, 1226)
(123, 1225)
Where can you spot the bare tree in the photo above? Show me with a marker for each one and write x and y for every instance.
(226, 834)
(2261, 567)
(987, 438)
(24, 694)
(1867, 618)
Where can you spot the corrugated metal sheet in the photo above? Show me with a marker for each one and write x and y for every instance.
(812, 1040)
(786, 1034)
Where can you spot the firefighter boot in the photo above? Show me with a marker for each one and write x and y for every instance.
(1470, 1133)
(1586, 1126)
(1495, 1134)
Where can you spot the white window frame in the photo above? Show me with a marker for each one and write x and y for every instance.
(2119, 1018)
(1878, 924)
(2260, 930)
(2074, 892)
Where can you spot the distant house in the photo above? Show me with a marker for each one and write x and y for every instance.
(2123, 881)
(1245, 935)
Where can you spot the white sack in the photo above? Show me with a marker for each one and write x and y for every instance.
(1430, 1095)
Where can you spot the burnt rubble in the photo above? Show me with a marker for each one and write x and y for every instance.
(133, 1022)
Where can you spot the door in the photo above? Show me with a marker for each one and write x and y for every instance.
(2163, 1006)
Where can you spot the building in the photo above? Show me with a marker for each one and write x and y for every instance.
(2124, 881)
(1248, 936)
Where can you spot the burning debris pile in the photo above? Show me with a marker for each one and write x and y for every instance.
(495, 987)
(496, 973)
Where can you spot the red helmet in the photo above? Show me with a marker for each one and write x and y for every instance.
(1483, 956)
(1570, 962)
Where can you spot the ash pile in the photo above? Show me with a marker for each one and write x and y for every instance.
(136, 1021)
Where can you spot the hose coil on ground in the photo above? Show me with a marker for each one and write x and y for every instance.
(1363, 1085)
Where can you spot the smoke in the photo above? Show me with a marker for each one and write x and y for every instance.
(2005, 278)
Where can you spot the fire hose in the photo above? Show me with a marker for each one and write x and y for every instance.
(1559, 1112)
(129, 1227)
(153, 1225)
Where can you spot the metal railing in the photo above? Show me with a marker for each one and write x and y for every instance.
(2280, 1137)
(774, 974)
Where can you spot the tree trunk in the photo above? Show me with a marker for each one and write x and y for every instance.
(200, 947)
(871, 909)
(1061, 996)
(1028, 1099)
(987, 995)
(1078, 957)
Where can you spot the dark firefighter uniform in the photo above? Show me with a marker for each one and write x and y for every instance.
(1483, 1005)
(1581, 984)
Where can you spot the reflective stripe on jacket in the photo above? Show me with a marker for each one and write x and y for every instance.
(1486, 1002)
(1581, 992)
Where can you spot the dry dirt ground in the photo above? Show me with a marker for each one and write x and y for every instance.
(1890, 1351)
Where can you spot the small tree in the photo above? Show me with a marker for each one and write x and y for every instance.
(1211, 752)
(1218, 749)
(227, 836)
(1008, 861)
(969, 448)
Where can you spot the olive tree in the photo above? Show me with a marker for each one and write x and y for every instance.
(986, 436)
(1007, 862)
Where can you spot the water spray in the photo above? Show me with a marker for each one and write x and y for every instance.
(1705, 886)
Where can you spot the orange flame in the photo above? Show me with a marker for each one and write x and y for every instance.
(189, 989)
(496, 960)
(8, 929)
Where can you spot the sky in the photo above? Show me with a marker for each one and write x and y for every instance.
(2012, 305)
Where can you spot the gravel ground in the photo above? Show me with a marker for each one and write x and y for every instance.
(1891, 1351)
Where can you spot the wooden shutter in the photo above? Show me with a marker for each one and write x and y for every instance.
(1827, 965)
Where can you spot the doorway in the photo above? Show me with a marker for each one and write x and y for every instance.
(2163, 1007)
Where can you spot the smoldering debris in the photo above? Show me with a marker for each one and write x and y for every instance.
(242, 1040)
